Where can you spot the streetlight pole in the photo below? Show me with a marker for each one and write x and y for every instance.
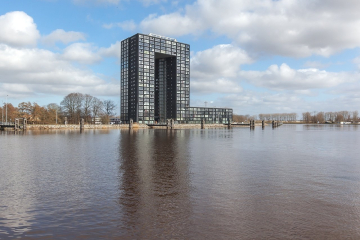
(6, 109)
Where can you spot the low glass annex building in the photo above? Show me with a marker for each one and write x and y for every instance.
(155, 83)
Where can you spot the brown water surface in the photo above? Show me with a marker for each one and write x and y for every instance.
(292, 182)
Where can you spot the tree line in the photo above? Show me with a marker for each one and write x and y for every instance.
(307, 117)
(73, 107)
(267, 117)
(285, 117)
(331, 117)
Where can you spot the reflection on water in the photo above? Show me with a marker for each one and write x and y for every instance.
(295, 181)
(154, 190)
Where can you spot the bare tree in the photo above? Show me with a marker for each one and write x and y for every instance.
(346, 115)
(320, 117)
(88, 99)
(96, 107)
(307, 117)
(72, 104)
(339, 117)
(355, 115)
(109, 107)
(278, 116)
(54, 112)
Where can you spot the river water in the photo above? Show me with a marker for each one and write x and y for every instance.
(292, 182)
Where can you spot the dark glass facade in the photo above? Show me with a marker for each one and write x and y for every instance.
(211, 115)
(155, 82)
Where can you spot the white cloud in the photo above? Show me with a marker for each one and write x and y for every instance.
(59, 35)
(112, 51)
(315, 64)
(86, 53)
(216, 69)
(287, 27)
(254, 103)
(221, 60)
(286, 78)
(28, 71)
(356, 61)
(34, 71)
(82, 53)
(216, 86)
(18, 29)
(126, 25)
(173, 24)
(36, 66)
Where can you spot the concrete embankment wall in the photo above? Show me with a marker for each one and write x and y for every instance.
(121, 126)
(77, 126)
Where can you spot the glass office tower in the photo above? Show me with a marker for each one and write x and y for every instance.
(155, 82)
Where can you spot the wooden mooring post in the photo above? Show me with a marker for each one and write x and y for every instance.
(170, 124)
(24, 124)
(263, 124)
(229, 123)
(252, 124)
(276, 124)
(17, 125)
(202, 123)
(81, 125)
(131, 123)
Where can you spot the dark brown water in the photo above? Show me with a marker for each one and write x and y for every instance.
(293, 182)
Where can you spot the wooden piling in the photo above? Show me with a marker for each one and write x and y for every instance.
(24, 124)
(252, 124)
(17, 125)
(202, 123)
(263, 123)
(131, 123)
(81, 124)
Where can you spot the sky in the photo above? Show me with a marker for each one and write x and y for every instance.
(255, 56)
